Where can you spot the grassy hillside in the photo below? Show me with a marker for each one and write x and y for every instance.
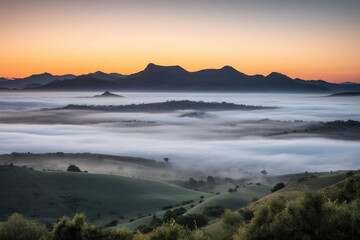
(300, 183)
(234, 200)
(48, 195)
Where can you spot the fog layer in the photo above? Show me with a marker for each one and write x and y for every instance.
(224, 143)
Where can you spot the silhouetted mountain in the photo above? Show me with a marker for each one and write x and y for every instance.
(36, 80)
(107, 94)
(175, 78)
(332, 86)
(105, 76)
(81, 83)
(346, 94)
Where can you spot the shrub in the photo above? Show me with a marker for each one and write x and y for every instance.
(169, 231)
(17, 227)
(231, 221)
(121, 234)
(67, 228)
(214, 211)
(192, 221)
(73, 168)
(277, 187)
(174, 214)
(198, 235)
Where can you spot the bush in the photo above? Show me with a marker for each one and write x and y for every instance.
(214, 211)
(73, 168)
(231, 221)
(192, 221)
(120, 234)
(170, 231)
(198, 235)
(17, 227)
(67, 228)
(278, 187)
(174, 214)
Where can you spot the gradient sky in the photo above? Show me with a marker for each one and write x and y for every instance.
(310, 39)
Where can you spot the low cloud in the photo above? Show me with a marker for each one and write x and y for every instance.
(227, 144)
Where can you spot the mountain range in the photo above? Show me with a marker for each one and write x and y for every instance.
(176, 78)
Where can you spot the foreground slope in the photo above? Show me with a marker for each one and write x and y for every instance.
(47, 196)
(293, 190)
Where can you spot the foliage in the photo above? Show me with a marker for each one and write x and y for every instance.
(17, 227)
(231, 221)
(214, 211)
(311, 216)
(73, 168)
(170, 231)
(277, 187)
(348, 191)
(192, 221)
(67, 228)
(173, 214)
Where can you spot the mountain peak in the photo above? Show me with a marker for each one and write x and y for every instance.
(108, 94)
(99, 72)
(228, 68)
(45, 74)
(154, 67)
(278, 76)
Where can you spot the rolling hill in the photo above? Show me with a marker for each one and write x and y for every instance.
(46, 196)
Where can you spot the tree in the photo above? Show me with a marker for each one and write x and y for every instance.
(264, 172)
(166, 160)
(231, 221)
(73, 168)
(169, 231)
(67, 228)
(214, 211)
(277, 187)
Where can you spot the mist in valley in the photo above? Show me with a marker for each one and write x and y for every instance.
(225, 144)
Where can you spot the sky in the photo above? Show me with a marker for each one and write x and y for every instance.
(309, 39)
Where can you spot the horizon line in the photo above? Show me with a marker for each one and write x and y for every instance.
(176, 65)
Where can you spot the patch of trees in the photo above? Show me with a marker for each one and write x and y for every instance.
(330, 214)
(277, 187)
(201, 185)
(190, 221)
(214, 211)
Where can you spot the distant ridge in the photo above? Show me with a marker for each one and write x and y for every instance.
(168, 106)
(175, 78)
(345, 94)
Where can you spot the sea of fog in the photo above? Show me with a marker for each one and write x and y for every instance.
(221, 142)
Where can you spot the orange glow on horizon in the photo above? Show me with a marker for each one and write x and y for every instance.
(124, 38)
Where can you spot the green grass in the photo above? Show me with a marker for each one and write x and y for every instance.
(47, 196)
(293, 190)
(234, 200)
